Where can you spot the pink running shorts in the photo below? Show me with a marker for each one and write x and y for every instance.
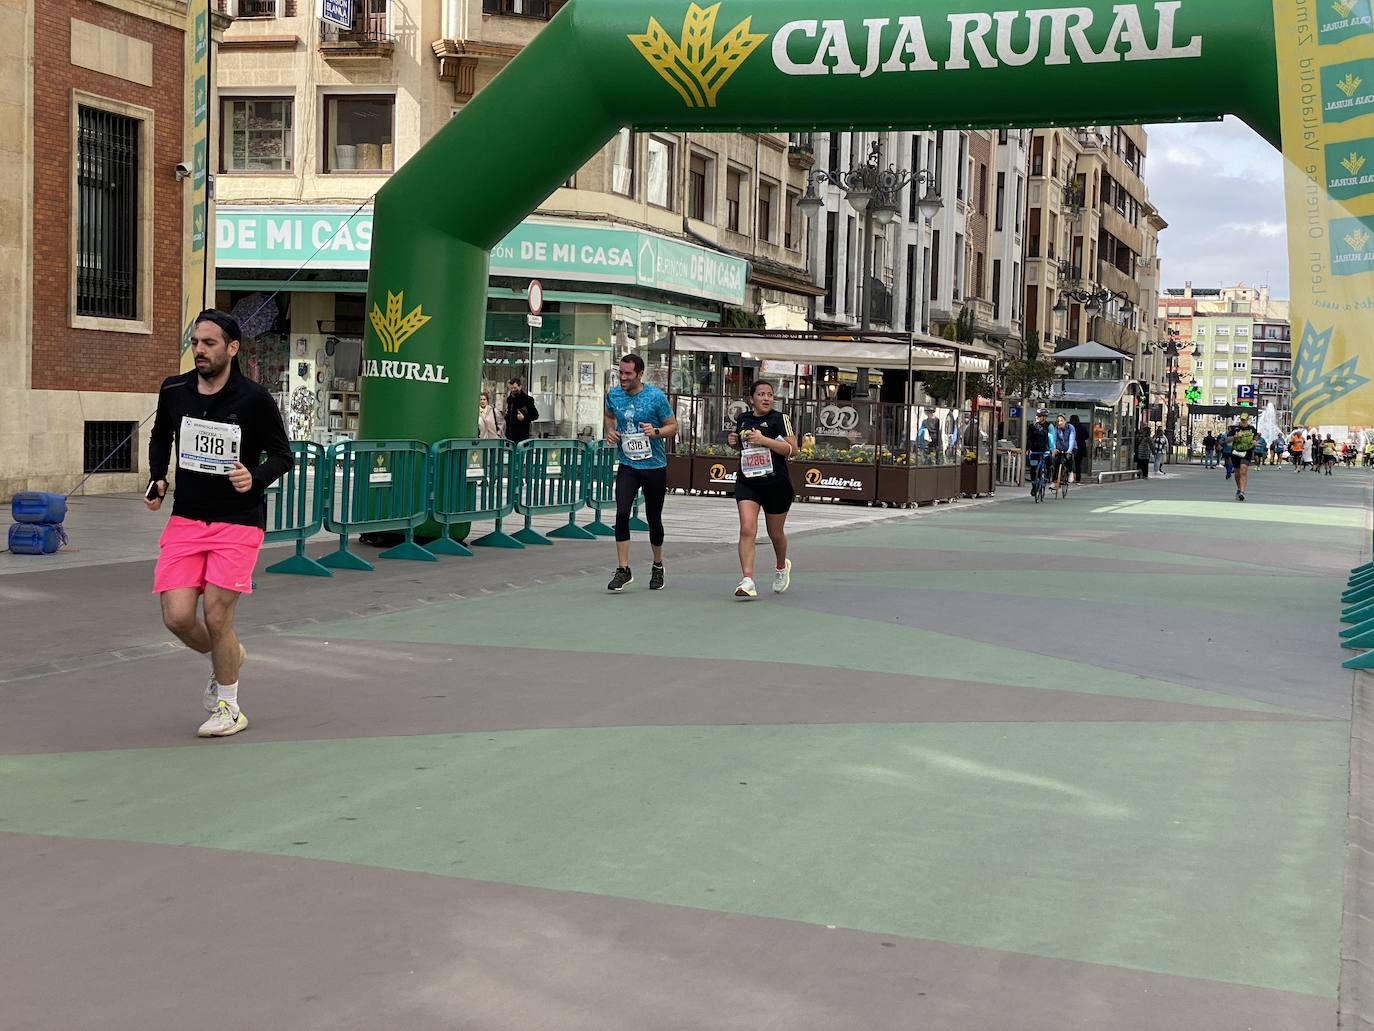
(192, 554)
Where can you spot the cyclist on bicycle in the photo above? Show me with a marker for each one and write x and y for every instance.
(1037, 443)
(1063, 441)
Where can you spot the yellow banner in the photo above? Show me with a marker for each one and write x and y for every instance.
(1326, 100)
(193, 253)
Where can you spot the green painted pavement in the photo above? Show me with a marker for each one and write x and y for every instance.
(556, 617)
(1204, 850)
(1298, 515)
(1303, 597)
(950, 537)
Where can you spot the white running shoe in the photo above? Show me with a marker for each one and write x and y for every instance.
(211, 697)
(223, 722)
(782, 578)
(746, 589)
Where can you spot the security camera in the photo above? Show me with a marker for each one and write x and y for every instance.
(182, 170)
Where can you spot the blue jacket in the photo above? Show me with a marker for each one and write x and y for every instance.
(1069, 441)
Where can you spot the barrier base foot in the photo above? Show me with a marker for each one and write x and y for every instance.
(531, 536)
(346, 560)
(1358, 613)
(1358, 595)
(600, 529)
(448, 546)
(1363, 627)
(409, 551)
(300, 565)
(637, 523)
(573, 532)
(1359, 641)
(1365, 661)
(497, 539)
(1358, 580)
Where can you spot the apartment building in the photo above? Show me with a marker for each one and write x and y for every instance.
(1088, 234)
(1240, 336)
(316, 115)
(96, 97)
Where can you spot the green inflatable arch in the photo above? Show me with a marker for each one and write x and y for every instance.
(754, 65)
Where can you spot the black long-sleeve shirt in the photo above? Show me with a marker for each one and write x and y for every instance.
(208, 497)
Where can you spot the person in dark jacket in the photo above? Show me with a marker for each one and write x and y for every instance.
(222, 424)
(1143, 453)
(1080, 450)
(520, 412)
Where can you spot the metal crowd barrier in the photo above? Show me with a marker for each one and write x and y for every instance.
(602, 459)
(1359, 613)
(295, 507)
(550, 479)
(470, 481)
(379, 486)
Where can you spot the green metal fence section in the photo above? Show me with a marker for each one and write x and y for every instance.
(1359, 613)
(601, 462)
(550, 478)
(378, 486)
(295, 507)
(470, 482)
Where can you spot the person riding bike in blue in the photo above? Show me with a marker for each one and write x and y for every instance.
(1037, 444)
(1063, 441)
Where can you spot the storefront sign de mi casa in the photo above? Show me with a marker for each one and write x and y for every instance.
(321, 239)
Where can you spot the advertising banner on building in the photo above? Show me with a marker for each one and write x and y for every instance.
(193, 252)
(1326, 97)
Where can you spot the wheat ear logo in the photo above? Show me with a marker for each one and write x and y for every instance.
(697, 66)
(1353, 163)
(1357, 238)
(1349, 84)
(1344, 7)
(393, 329)
(1315, 386)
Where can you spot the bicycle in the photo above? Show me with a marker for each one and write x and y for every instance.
(1041, 477)
(1063, 462)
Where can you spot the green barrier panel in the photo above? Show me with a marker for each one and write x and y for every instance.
(1358, 613)
(295, 507)
(550, 478)
(743, 65)
(602, 459)
(379, 486)
(471, 482)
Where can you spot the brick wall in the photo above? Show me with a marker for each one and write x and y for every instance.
(78, 359)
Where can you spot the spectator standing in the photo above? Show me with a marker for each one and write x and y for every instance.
(520, 413)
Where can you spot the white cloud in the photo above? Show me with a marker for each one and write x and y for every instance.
(1220, 188)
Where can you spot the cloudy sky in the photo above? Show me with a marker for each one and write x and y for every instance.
(1220, 188)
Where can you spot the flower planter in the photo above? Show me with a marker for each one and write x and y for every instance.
(679, 472)
(835, 481)
(713, 475)
(968, 478)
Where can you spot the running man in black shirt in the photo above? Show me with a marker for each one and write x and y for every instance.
(222, 423)
(766, 441)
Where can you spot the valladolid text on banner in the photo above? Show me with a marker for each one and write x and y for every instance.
(1326, 97)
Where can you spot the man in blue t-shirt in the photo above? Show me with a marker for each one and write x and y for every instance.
(638, 419)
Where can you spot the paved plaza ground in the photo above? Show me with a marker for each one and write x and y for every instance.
(986, 766)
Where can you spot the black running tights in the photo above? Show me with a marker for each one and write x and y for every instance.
(629, 481)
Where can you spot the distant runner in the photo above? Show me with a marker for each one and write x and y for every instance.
(638, 419)
(1240, 438)
(766, 441)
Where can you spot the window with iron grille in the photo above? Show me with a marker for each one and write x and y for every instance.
(108, 447)
(107, 214)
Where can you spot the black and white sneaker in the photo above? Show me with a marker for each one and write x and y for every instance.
(656, 577)
(622, 579)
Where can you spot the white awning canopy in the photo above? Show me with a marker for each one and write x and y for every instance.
(895, 351)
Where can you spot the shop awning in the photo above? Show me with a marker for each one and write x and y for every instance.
(871, 350)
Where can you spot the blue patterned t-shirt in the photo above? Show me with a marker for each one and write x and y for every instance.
(649, 405)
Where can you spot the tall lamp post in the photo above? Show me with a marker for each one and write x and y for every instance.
(871, 191)
(1172, 348)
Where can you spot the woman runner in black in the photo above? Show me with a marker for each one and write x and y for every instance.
(765, 441)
